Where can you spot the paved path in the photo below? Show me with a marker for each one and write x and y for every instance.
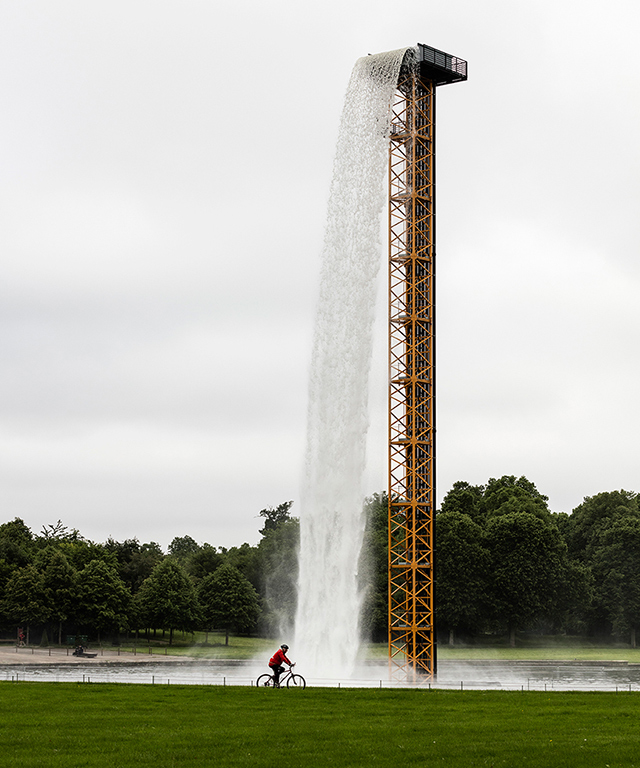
(13, 655)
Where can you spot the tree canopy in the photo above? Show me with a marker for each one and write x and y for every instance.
(167, 599)
(503, 563)
(229, 601)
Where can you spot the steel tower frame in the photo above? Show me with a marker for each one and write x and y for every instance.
(412, 641)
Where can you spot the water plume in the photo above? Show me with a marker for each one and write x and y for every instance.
(329, 601)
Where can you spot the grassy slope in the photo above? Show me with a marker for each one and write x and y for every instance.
(80, 726)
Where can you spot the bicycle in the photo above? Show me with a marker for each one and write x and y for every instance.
(293, 681)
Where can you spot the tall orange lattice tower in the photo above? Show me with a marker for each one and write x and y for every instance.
(412, 256)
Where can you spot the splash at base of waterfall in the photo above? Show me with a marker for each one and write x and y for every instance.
(327, 634)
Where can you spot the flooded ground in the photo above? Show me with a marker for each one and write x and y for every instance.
(110, 666)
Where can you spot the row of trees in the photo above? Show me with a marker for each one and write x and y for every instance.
(504, 562)
(59, 582)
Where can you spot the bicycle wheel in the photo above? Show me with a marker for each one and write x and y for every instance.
(265, 681)
(296, 681)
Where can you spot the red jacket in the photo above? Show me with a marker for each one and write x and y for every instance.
(278, 657)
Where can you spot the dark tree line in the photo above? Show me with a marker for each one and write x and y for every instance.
(504, 563)
(60, 584)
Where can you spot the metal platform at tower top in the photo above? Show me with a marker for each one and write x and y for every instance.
(439, 67)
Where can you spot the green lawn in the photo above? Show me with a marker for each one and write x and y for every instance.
(548, 650)
(550, 653)
(82, 725)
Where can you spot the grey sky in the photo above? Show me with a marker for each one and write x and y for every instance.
(165, 170)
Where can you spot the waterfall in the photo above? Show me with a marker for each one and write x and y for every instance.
(327, 635)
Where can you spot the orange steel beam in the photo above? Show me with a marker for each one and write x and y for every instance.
(412, 649)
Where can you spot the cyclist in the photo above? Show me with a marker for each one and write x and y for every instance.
(275, 663)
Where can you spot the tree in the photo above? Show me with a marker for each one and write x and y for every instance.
(466, 499)
(274, 516)
(574, 596)
(61, 585)
(16, 543)
(182, 547)
(245, 559)
(589, 521)
(204, 562)
(276, 566)
(80, 552)
(617, 572)
(59, 532)
(508, 494)
(104, 600)
(462, 573)
(587, 533)
(135, 561)
(526, 565)
(373, 569)
(167, 599)
(229, 601)
(25, 599)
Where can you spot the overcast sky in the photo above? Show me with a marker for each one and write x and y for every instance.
(164, 176)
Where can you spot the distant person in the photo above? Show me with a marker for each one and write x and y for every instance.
(276, 661)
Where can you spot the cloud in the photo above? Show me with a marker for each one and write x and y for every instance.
(165, 177)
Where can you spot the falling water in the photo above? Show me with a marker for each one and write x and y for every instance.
(329, 602)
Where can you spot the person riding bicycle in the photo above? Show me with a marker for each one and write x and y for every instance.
(275, 663)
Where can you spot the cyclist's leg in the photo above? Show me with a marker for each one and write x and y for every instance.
(276, 669)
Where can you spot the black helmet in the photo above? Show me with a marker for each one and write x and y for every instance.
(284, 647)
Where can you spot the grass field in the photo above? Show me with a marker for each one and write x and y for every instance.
(81, 725)
(632, 655)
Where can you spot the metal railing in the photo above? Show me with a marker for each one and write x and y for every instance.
(442, 60)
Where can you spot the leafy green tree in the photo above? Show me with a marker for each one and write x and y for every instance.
(508, 494)
(573, 599)
(465, 499)
(58, 532)
(16, 543)
(277, 568)
(274, 516)
(204, 562)
(183, 547)
(25, 599)
(229, 601)
(245, 559)
(61, 585)
(5, 573)
(80, 552)
(587, 533)
(616, 566)
(526, 565)
(588, 522)
(135, 561)
(104, 601)
(462, 574)
(167, 599)
(373, 569)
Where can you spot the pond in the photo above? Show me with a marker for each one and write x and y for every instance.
(480, 675)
